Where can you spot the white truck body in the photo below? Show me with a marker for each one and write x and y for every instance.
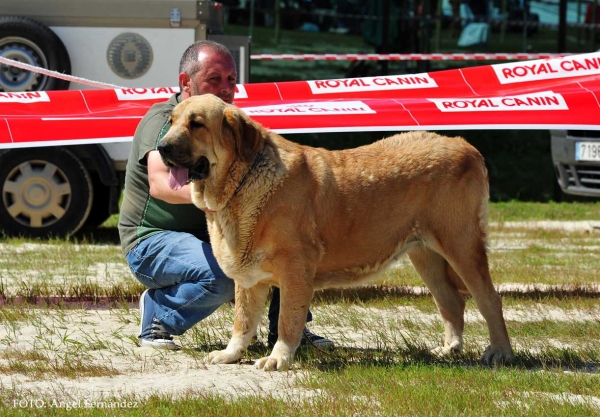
(59, 190)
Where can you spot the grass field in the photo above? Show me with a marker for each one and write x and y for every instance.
(69, 318)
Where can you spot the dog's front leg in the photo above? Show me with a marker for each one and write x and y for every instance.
(249, 305)
(295, 299)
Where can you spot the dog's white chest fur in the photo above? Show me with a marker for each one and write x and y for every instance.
(246, 274)
(236, 257)
(252, 276)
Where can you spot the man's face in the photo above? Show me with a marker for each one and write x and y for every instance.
(217, 76)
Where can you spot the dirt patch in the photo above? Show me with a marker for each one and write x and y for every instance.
(108, 338)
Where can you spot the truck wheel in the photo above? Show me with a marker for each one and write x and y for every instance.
(100, 206)
(45, 192)
(29, 42)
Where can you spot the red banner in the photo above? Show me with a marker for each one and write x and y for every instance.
(557, 93)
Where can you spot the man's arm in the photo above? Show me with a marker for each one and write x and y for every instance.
(158, 179)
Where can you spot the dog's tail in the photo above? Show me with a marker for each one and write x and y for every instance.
(484, 208)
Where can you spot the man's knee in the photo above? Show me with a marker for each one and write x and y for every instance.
(222, 289)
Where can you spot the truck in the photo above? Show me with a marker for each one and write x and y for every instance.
(61, 190)
(576, 160)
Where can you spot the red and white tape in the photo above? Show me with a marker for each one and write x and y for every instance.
(406, 57)
(560, 93)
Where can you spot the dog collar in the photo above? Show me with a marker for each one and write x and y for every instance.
(243, 180)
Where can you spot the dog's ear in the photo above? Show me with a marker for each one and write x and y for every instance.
(245, 132)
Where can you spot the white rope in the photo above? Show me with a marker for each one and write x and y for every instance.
(408, 57)
(55, 74)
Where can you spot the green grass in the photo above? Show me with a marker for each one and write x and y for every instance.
(398, 390)
(35, 364)
(407, 390)
(521, 211)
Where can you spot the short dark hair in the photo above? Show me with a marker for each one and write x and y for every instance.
(189, 61)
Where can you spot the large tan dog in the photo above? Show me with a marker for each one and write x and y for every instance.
(303, 218)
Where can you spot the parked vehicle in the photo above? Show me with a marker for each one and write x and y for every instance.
(576, 158)
(59, 190)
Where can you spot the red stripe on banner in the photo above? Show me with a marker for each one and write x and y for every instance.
(5, 134)
(52, 130)
(39, 102)
(542, 109)
(560, 93)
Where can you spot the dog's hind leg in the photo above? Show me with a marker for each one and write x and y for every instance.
(249, 305)
(469, 260)
(434, 270)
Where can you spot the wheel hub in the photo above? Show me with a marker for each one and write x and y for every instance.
(36, 194)
(14, 79)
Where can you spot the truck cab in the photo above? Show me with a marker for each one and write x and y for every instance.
(576, 159)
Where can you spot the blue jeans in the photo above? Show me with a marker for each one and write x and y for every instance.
(188, 283)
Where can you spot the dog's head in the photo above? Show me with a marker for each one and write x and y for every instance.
(207, 135)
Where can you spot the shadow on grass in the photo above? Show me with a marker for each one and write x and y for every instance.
(415, 354)
(92, 295)
(86, 295)
(380, 292)
(101, 235)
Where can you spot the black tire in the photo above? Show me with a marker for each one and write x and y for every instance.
(30, 42)
(45, 192)
(100, 211)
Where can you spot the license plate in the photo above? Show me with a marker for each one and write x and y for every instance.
(587, 151)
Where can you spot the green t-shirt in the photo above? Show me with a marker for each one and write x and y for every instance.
(142, 215)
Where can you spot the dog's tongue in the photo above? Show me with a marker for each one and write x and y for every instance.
(178, 176)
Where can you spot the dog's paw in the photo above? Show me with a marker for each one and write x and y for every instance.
(497, 355)
(274, 363)
(224, 356)
(447, 350)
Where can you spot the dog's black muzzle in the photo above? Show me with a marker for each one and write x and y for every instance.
(170, 157)
(200, 170)
(166, 151)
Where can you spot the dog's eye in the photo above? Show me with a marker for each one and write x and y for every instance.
(195, 125)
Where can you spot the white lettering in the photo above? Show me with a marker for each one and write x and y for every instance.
(24, 97)
(394, 82)
(310, 109)
(556, 68)
(145, 93)
(535, 101)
